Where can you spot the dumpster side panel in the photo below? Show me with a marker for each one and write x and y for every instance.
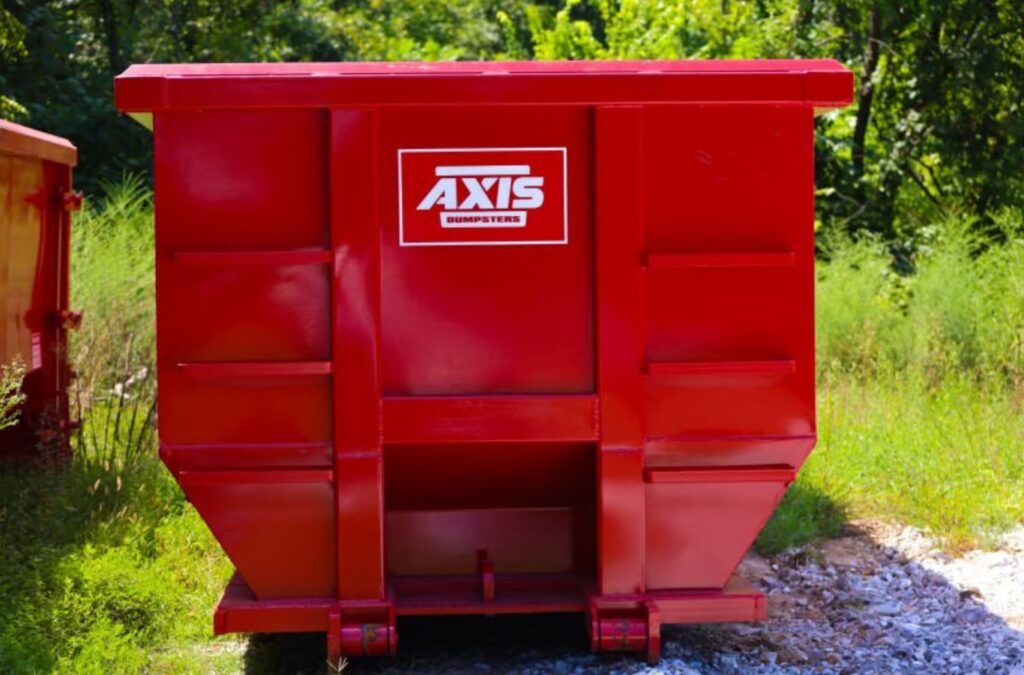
(487, 316)
(275, 525)
(242, 181)
(698, 532)
(244, 336)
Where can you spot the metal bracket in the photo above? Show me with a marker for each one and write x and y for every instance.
(361, 630)
(635, 629)
(71, 200)
(486, 567)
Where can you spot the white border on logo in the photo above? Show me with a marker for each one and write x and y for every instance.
(541, 242)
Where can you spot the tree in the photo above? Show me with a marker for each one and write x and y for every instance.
(937, 125)
(12, 48)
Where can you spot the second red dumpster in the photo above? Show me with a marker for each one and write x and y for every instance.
(35, 201)
(479, 338)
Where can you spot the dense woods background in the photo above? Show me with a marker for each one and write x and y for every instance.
(936, 131)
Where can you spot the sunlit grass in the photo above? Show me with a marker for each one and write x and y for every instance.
(946, 458)
(921, 384)
(105, 567)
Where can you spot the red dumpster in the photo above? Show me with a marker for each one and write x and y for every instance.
(484, 338)
(35, 200)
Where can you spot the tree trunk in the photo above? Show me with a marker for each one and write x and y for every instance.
(867, 90)
(108, 20)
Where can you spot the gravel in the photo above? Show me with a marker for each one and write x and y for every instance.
(882, 599)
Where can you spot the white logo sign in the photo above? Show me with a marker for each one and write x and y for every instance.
(479, 196)
(482, 196)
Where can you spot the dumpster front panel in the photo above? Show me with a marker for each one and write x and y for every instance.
(495, 308)
(485, 338)
(35, 205)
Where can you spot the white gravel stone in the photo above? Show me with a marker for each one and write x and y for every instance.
(882, 600)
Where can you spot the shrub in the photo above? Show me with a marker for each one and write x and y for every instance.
(11, 398)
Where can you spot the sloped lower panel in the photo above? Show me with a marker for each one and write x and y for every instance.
(276, 526)
(698, 532)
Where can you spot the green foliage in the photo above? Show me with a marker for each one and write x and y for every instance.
(106, 568)
(12, 48)
(101, 581)
(11, 398)
(937, 127)
(642, 29)
(806, 513)
(936, 130)
(113, 352)
(921, 384)
(961, 311)
(397, 30)
(12, 36)
(942, 456)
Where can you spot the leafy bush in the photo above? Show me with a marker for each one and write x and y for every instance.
(960, 311)
(11, 377)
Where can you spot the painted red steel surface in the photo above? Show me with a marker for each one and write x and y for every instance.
(395, 378)
(35, 205)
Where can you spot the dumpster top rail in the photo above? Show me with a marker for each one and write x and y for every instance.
(158, 87)
(25, 142)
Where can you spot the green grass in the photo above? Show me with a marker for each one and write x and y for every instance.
(107, 569)
(99, 580)
(921, 386)
(948, 458)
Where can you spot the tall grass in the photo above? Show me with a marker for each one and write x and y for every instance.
(921, 386)
(11, 377)
(112, 264)
(105, 569)
(960, 312)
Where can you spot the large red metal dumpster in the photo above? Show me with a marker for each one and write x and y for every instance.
(472, 338)
(35, 200)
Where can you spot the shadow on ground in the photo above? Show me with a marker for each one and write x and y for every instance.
(437, 645)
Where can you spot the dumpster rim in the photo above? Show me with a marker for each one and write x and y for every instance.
(22, 141)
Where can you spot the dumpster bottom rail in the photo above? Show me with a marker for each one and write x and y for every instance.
(629, 623)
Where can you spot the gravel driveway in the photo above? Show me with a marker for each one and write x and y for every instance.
(879, 600)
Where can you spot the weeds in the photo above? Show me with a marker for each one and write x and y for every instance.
(960, 312)
(921, 390)
(11, 377)
(104, 564)
(112, 267)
